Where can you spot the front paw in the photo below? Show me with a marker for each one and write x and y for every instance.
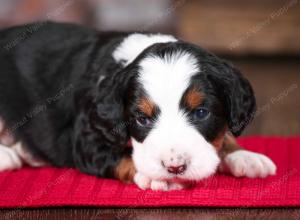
(249, 164)
(144, 182)
(159, 185)
(125, 170)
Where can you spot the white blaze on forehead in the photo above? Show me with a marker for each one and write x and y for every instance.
(134, 44)
(166, 79)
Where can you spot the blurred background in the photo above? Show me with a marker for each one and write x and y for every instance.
(260, 37)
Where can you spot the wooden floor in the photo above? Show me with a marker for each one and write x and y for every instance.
(276, 82)
(153, 214)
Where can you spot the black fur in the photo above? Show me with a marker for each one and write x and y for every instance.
(73, 129)
(51, 101)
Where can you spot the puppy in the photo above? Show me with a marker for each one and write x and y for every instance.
(73, 97)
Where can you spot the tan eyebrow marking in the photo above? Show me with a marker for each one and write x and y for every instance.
(147, 106)
(193, 98)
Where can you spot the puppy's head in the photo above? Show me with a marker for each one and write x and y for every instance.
(179, 102)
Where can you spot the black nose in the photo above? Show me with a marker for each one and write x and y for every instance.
(177, 169)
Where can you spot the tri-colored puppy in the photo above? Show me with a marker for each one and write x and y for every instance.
(73, 97)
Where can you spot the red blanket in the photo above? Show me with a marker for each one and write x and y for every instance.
(46, 187)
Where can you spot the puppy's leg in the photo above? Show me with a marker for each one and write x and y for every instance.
(159, 185)
(6, 138)
(26, 156)
(13, 157)
(240, 162)
(142, 181)
(125, 170)
(9, 159)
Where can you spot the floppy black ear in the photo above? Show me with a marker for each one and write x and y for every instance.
(110, 107)
(100, 135)
(238, 96)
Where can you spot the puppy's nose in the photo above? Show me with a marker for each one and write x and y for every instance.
(176, 169)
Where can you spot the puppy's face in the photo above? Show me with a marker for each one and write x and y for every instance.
(175, 118)
(177, 101)
(179, 111)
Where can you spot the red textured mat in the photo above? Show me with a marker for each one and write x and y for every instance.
(46, 187)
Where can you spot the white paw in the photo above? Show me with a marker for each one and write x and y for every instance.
(142, 181)
(245, 163)
(6, 139)
(159, 185)
(176, 186)
(9, 160)
(26, 156)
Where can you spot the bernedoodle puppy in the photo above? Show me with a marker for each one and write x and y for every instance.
(148, 108)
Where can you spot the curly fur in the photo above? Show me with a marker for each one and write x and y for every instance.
(71, 104)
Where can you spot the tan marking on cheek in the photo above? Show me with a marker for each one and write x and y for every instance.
(125, 170)
(147, 107)
(193, 98)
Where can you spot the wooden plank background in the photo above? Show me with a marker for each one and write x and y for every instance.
(242, 27)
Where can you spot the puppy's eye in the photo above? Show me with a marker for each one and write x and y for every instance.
(201, 113)
(144, 121)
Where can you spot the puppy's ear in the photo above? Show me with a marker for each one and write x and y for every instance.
(110, 100)
(238, 96)
(101, 132)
